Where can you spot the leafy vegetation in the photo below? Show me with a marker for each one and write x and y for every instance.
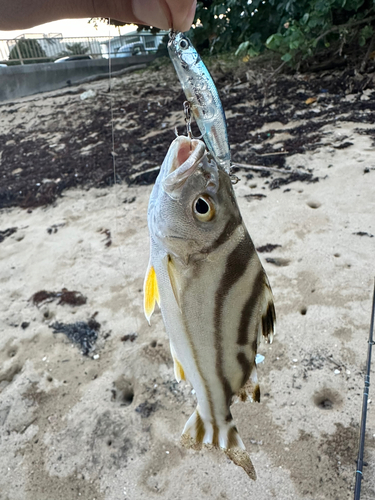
(74, 49)
(29, 50)
(295, 29)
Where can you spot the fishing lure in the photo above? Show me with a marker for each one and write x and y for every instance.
(202, 95)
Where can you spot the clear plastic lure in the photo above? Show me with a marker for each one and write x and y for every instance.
(202, 95)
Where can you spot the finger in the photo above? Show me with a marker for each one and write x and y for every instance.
(165, 14)
(153, 13)
(183, 12)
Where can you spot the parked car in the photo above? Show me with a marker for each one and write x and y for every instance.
(3, 65)
(73, 58)
(131, 49)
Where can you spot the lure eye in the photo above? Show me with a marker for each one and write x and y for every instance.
(203, 209)
(184, 44)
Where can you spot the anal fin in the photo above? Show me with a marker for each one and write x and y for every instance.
(250, 391)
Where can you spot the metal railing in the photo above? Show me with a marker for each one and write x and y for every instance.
(28, 50)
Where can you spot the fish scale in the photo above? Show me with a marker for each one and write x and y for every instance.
(214, 295)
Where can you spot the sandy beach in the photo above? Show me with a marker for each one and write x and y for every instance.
(107, 425)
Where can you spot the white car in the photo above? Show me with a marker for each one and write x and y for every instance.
(131, 49)
(83, 57)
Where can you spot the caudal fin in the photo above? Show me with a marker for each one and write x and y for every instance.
(198, 432)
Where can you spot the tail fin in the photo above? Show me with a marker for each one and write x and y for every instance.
(198, 432)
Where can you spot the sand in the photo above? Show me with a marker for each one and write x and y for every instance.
(107, 426)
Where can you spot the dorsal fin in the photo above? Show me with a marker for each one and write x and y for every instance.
(268, 314)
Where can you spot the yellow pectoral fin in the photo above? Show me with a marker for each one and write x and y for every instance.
(151, 293)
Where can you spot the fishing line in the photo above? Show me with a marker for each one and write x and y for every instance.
(111, 104)
(113, 154)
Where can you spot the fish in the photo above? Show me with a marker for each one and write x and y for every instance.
(203, 97)
(214, 295)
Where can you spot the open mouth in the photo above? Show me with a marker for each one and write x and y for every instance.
(186, 155)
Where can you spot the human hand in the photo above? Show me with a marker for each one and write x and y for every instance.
(164, 14)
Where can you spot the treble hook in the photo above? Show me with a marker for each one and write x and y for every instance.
(187, 113)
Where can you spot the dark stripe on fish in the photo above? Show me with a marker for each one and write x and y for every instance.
(257, 287)
(245, 365)
(236, 266)
(215, 437)
(255, 345)
(199, 429)
(226, 385)
(227, 232)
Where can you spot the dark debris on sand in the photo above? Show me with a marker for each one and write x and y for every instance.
(85, 334)
(295, 176)
(146, 409)
(130, 336)
(70, 297)
(6, 233)
(362, 233)
(35, 174)
(268, 248)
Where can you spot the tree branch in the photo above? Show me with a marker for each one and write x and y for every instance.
(367, 56)
(343, 26)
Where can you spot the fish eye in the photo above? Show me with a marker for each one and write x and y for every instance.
(184, 44)
(203, 208)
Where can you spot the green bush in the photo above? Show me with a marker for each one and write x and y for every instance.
(295, 29)
(74, 49)
(30, 51)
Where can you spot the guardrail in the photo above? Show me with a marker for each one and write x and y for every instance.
(31, 50)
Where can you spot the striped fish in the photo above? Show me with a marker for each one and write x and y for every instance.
(213, 292)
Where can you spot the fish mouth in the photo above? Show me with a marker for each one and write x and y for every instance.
(186, 155)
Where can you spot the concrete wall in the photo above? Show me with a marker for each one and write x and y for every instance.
(20, 81)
